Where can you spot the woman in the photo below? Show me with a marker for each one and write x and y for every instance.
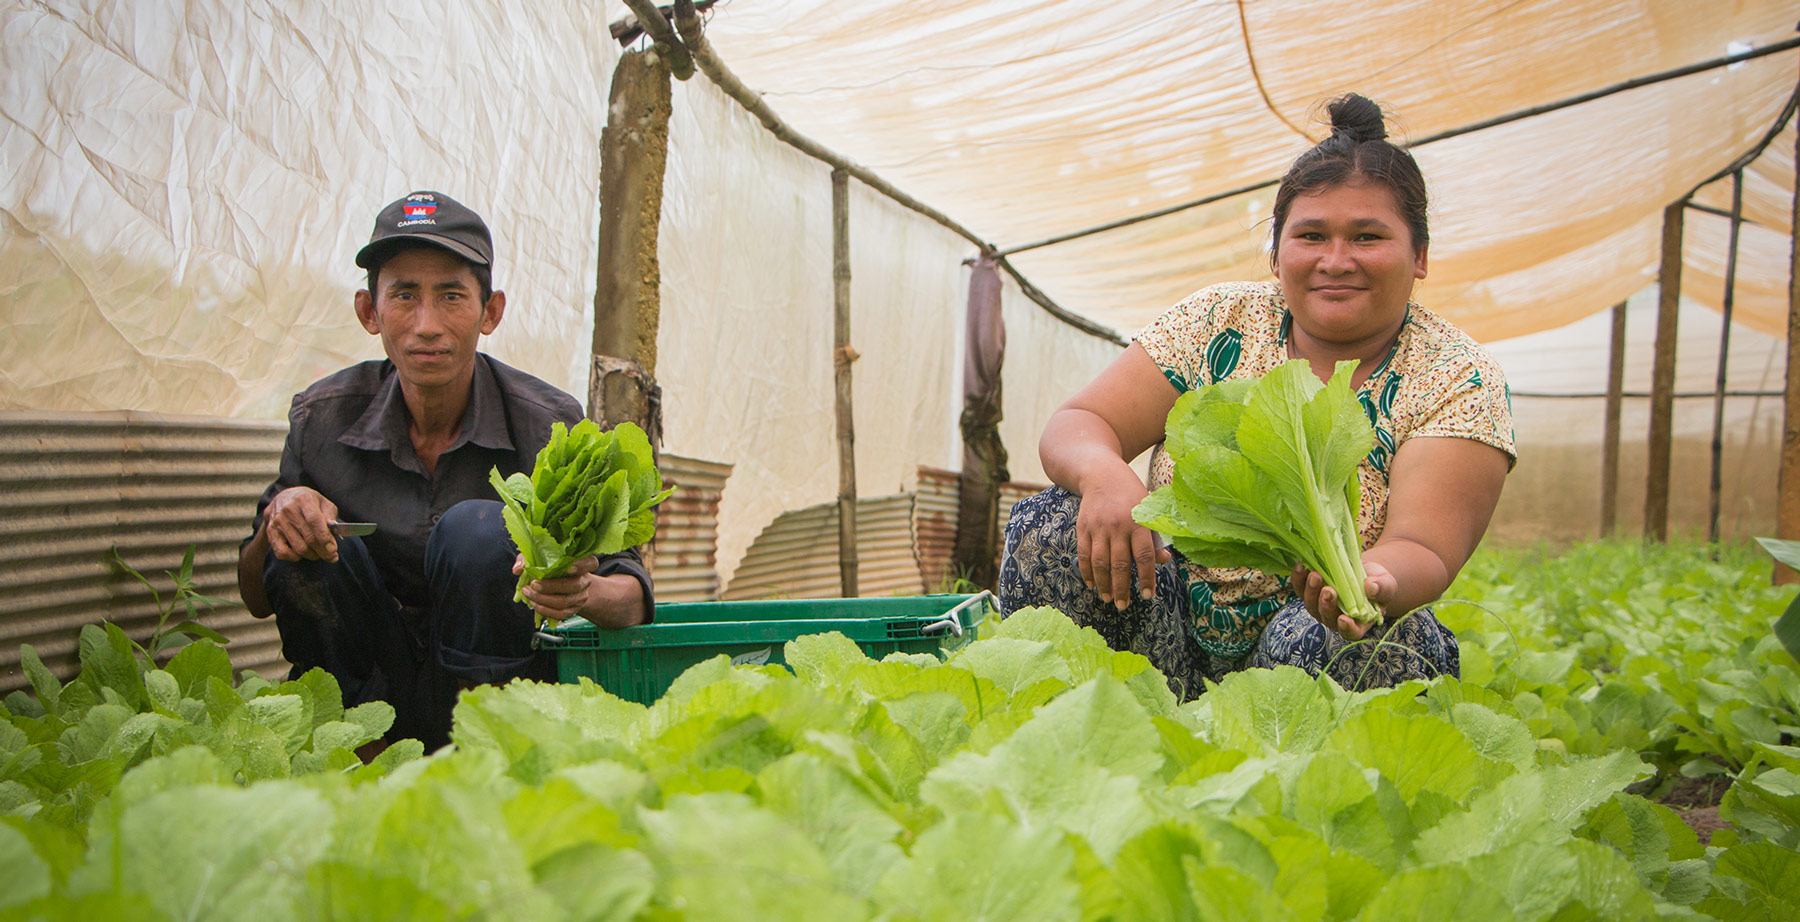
(1349, 241)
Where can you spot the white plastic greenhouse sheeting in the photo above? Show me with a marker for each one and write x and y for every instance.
(747, 327)
(187, 183)
(1033, 118)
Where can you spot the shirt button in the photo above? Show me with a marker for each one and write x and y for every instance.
(434, 519)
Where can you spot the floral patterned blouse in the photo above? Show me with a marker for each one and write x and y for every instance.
(1435, 382)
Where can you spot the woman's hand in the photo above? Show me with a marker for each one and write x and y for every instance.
(1322, 601)
(1109, 545)
(1087, 448)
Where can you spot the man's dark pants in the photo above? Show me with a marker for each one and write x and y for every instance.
(340, 617)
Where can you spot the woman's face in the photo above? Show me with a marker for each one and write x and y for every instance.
(1347, 264)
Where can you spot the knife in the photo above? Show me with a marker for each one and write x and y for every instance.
(351, 529)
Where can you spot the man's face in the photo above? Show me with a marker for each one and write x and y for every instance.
(429, 314)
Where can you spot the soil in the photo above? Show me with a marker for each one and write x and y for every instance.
(1696, 800)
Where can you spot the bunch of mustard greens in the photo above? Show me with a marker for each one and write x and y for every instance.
(1265, 475)
(590, 492)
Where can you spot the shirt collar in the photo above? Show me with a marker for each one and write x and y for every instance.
(384, 425)
(484, 422)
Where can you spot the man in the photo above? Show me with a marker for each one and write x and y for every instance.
(424, 604)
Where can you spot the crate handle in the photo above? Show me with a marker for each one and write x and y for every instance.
(541, 639)
(949, 621)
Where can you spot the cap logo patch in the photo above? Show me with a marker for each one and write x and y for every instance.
(419, 209)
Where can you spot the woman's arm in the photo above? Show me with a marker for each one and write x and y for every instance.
(1087, 448)
(1442, 492)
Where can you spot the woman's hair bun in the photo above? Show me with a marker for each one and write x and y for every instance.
(1356, 118)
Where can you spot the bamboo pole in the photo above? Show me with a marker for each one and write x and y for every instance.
(841, 357)
(1715, 484)
(1787, 504)
(1609, 445)
(1662, 379)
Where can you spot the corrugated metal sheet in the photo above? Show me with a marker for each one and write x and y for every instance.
(684, 562)
(934, 520)
(934, 525)
(74, 486)
(795, 557)
(904, 544)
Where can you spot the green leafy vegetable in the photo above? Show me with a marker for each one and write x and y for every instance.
(1265, 475)
(1787, 629)
(590, 492)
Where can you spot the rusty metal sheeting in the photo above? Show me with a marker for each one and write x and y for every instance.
(934, 521)
(903, 542)
(684, 558)
(934, 526)
(795, 557)
(73, 486)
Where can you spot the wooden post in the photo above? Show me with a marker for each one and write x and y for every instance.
(1609, 445)
(1718, 430)
(634, 148)
(1787, 502)
(841, 356)
(1662, 378)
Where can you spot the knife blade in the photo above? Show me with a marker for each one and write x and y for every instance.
(351, 529)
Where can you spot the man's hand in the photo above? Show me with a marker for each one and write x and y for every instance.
(297, 522)
(607, 601)
(1322, 601)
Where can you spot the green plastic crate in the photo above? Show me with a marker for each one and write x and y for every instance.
(639, 663)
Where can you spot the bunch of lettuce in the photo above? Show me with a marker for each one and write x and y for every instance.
(590, 492)
(1265, 475)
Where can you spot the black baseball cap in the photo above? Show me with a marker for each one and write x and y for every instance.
(433, 218)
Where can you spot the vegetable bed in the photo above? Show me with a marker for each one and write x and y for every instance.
(1034, 775)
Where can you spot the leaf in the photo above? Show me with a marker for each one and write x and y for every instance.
(1418, 753)
(1654, 839)
(1151, 875)
(1226, 894)
(47, 687)
(1434, 894)
(1266, 475)
(826, 660)
(196, 663)
(1012, 665)
(1764, 880)
(1263, 711)
(716, 854)
(108, 660)
(853, 831)
(976, 865)
(288, 717)
(343, 892)
(217, 867)
(597, 883)
(1788, 552)
(1104, 750)
(23, 875)
(1497, 737)
(1787, 629)
(197, 629)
